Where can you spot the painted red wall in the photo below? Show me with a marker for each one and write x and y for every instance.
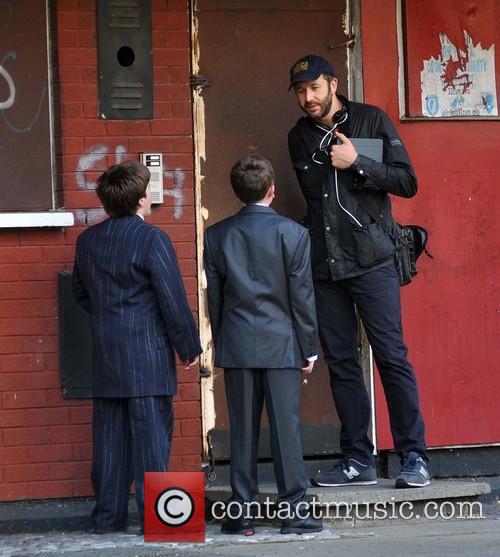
(45, 441)
(451, 311)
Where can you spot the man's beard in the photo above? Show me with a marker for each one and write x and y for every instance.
(325, 104)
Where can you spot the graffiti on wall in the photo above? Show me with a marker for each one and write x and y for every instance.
(94, 159)
(25, 130)
(9, 101)
(459, 83)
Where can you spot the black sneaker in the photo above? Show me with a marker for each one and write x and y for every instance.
(347, 472)
(413, 472)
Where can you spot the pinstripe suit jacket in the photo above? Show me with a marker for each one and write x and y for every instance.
(126, 275)
(260, 292)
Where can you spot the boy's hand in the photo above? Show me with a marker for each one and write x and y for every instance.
(308, 367)
(192, 362)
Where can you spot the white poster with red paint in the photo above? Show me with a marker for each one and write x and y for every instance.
(459, 83)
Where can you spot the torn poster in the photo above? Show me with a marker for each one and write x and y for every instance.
(459, 83)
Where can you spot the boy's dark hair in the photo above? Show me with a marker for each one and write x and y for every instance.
(251, 177)
(121, 187)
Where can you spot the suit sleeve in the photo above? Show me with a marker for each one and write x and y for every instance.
(166, 280)
(215, 291)
(79, 290)
(301, 293)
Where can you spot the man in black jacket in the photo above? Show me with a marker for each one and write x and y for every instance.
(349, 211)
(261, 305)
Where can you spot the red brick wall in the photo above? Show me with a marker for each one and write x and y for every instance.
(45, 441)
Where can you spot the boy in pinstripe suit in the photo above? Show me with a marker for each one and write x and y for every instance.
(127, 277)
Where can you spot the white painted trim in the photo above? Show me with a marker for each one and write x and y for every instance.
(354, 56)
(36, 220)
(469, 446)
(50, 104)
(401, 60)
(206, 358)
(372, 398)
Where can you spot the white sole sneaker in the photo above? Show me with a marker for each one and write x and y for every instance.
(401, 484)
(314, 483)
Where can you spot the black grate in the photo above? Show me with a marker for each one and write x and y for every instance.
(75, 343)
(125, 59)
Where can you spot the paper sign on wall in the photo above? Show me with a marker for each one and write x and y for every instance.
(459, 83)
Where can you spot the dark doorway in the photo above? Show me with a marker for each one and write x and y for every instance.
(244, 50)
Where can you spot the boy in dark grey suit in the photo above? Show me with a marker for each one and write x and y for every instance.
(127, 277)
(263, 319)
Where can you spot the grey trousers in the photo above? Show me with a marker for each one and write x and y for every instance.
(246, 391)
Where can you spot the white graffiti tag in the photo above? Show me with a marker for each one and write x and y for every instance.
(177, 191)
(12, 89)
(94, 159)
(12, 97)
(89, 161)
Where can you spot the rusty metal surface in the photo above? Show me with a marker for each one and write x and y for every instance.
(25, 136)
(124, 37)
(245, 54)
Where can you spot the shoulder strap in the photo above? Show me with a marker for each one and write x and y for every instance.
(375, 216)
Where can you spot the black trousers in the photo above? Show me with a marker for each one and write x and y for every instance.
(377, 297)
(131, 436)
(246, 391)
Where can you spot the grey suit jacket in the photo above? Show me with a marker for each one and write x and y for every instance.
(260, 292)
(127, 277)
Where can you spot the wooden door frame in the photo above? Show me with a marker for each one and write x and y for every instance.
(355, 92)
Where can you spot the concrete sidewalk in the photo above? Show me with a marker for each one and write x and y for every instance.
(477, 538)
(74, 514)
(62, 528)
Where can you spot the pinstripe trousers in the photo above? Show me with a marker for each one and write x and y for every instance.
(130, 436)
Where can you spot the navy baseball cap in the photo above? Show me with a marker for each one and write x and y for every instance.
(309, 68)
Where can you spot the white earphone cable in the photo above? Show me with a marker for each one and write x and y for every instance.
(328, 135)
(341, 206)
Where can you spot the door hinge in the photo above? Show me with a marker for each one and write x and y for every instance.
(348, 42)
(198, 81)
(205, 372)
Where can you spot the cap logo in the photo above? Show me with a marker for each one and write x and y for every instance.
(300, 67)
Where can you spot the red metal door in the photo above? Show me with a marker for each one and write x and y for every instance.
(244, 53)
(450, 312)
